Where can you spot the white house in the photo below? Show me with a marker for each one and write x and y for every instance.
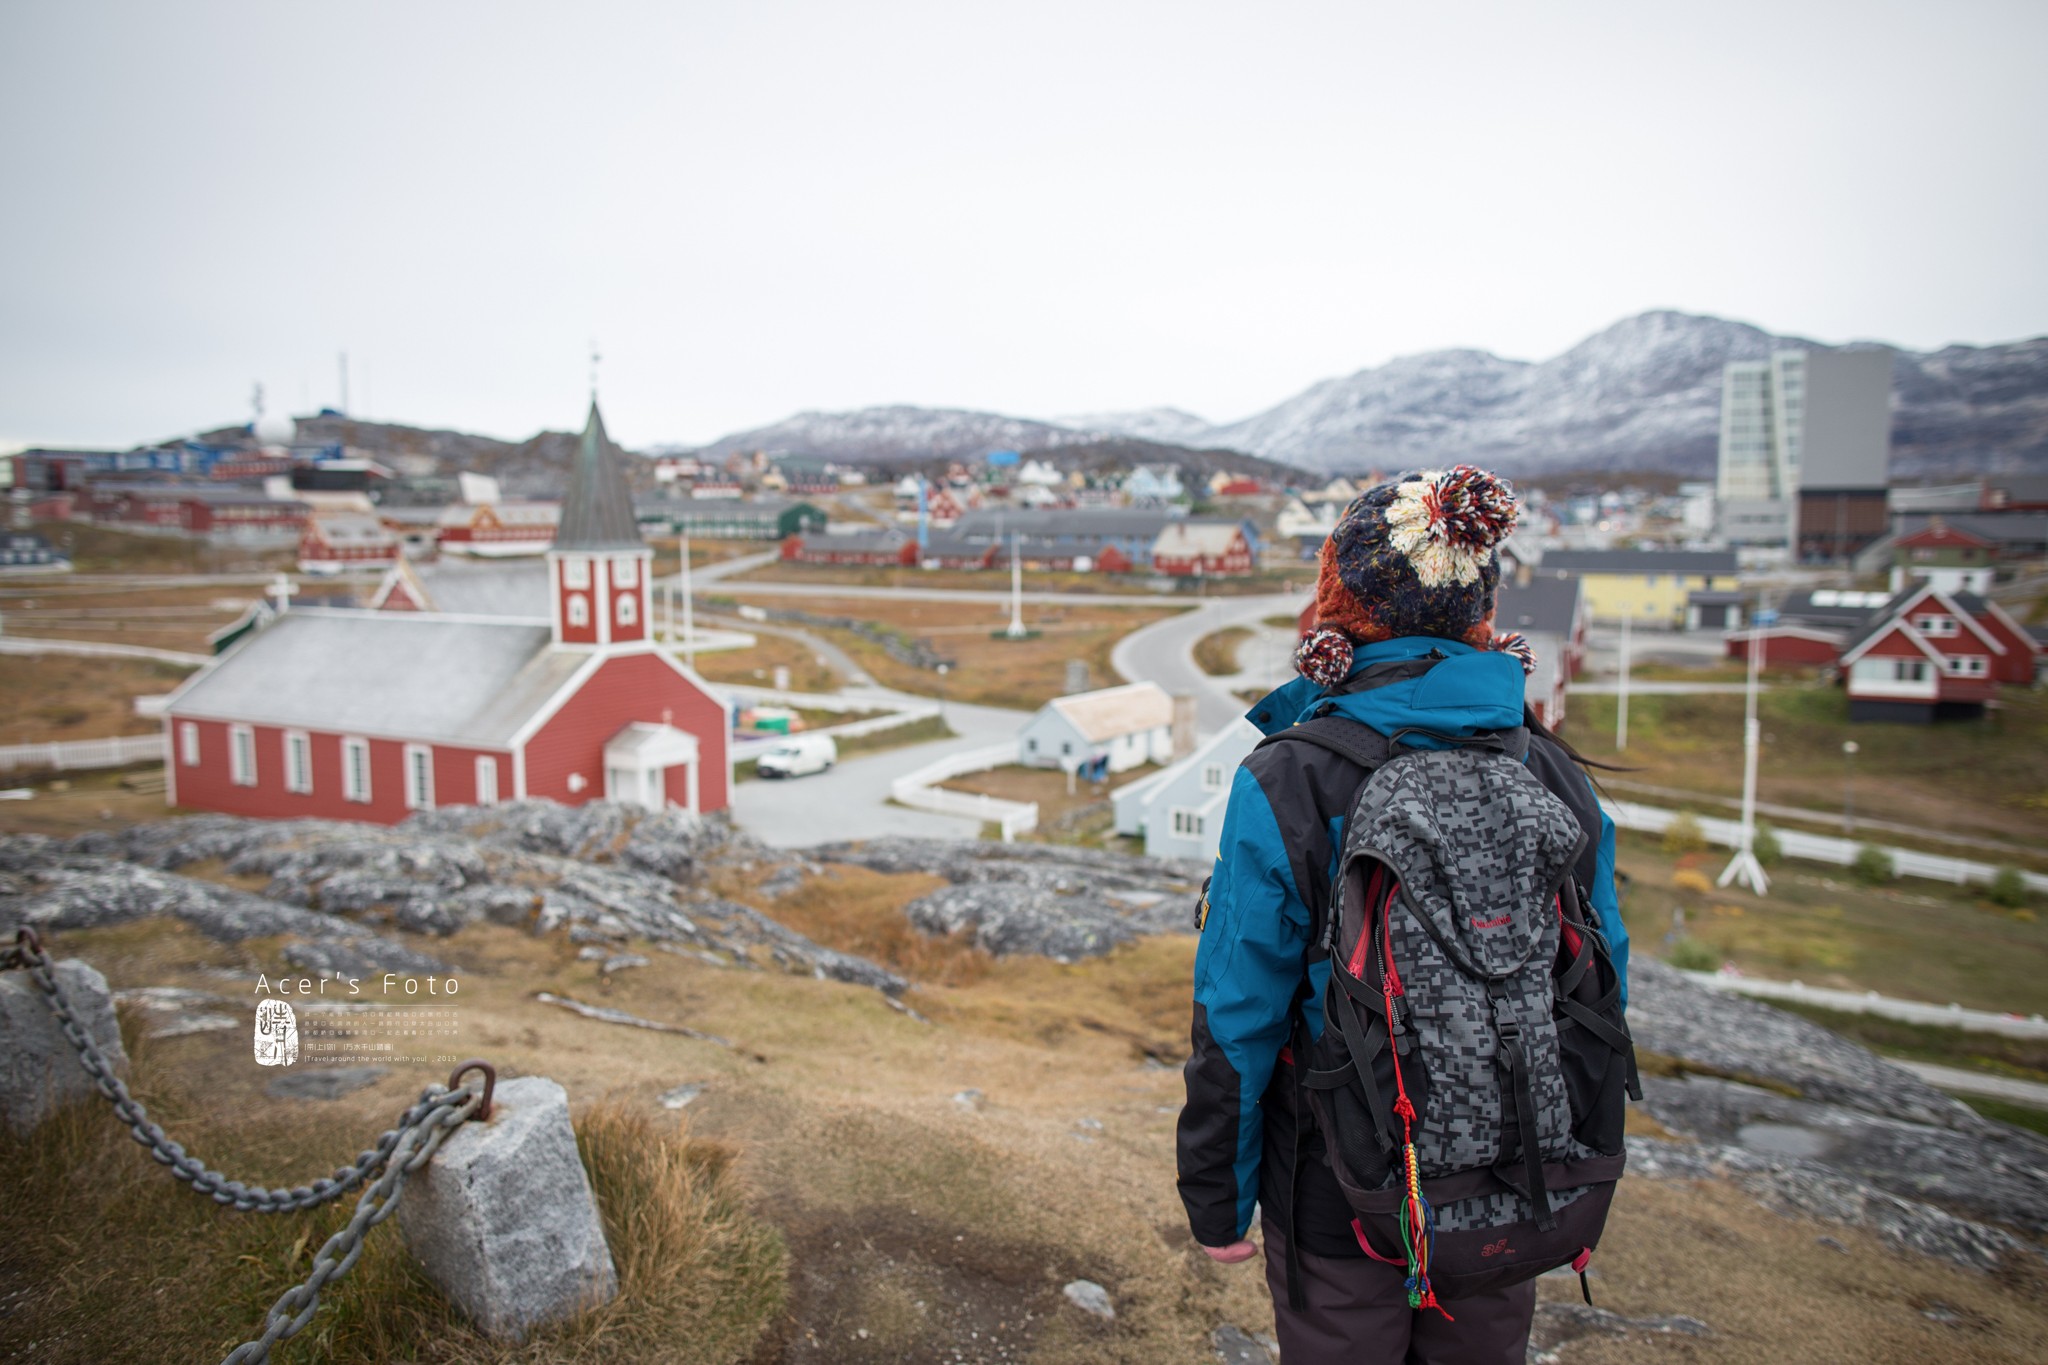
(1118, 728)
(1179, 812)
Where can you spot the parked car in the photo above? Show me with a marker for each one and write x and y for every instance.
(798, 755)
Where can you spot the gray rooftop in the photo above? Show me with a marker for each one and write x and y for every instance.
(1642, 561)
(1064, 522)
(514, 587)
(1548, 602)
(597, 512)
(390, 674)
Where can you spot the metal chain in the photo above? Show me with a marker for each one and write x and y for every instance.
(416, 1145)
(27, 954)
(399, 1153)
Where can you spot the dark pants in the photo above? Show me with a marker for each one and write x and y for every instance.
(1358, 1314)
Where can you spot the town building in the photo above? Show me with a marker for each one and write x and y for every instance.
(1548, 606)
(1805, 450)
(852, 549)
(1203, 549)
(1106, 731)
(372, 715)
(494, 530)
(1965, 551)
(25, 552)
(231, 515)
(774, 519)
(1178, 811)
(1649, 587)
(342, 542)
(1930, 655)
(1154, 483)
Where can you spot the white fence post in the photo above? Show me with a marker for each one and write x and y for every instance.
(72, 754)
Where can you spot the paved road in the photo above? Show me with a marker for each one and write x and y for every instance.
(1640, 687)
(852, 800)
(1163, 652)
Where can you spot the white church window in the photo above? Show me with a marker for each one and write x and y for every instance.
(629, 608)
(188, 744)
(242, 755)
(575, 573)
(579, 609)
(298, 761)
(626, 571)
(419, 777)
(355, 769)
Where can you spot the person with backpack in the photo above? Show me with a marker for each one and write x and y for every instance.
(1409, 1054)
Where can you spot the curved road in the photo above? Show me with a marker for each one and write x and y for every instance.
(1164, 652)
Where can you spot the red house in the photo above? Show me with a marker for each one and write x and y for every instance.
(1930, 655)
(857, 548)
(1209, 549)
(493, 529)
(371, 715)
(336, 542)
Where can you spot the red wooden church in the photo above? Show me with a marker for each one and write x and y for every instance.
(370, 715)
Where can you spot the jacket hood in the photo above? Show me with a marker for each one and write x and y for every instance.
(1465, 691)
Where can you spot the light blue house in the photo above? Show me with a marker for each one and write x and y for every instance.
(1178, 811)
(1154, 483)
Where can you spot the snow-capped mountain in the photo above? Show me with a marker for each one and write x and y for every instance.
(900, 434)
(1168, 426)
(1644, 394)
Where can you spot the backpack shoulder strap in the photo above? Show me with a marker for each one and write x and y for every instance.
(1360, 743)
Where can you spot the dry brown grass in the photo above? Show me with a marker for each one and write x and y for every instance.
(700, 1277)
(756, 667)
(1046, 786)
(56, 697)
(1216, 653)
(858, 911)
(987, 669)
(136, 612)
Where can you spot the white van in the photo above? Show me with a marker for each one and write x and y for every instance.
(798, 755)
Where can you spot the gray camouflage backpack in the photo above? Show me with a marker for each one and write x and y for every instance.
(1473, 1065)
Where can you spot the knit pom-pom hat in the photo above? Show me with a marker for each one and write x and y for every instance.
(1415, 556)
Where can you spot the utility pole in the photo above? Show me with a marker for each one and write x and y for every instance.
(1621, 696)
(689, 616)
(1744, 866)
(1016, 630)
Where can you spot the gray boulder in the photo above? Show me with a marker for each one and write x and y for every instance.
(503, 1218)
(39, 1070)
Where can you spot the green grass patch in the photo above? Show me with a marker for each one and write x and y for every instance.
(2005, 1111)
(1915, 939)
(1986, 777)
(1994, 1054)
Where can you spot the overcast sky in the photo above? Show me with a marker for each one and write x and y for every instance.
(1037, 208)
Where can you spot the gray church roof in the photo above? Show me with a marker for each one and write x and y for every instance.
(398, 675)
(597, 513)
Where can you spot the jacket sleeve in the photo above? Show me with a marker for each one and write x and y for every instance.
(1607, 905)
(1247, 970)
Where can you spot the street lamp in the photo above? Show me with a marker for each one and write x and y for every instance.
(1849, 786)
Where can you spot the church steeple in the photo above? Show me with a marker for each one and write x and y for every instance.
(599, 564)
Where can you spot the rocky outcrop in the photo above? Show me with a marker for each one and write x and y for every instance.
(1050, 901)
(1814, 1123)
(600, 873)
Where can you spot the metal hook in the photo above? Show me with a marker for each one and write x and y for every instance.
(462, 1069)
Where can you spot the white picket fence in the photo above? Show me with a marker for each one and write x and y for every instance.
(920, 790)
(72, 754)
(22, 644)
(1819, 848)
(1870, 1002)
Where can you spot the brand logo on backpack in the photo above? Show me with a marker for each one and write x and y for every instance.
(1500, 1248)
(1497, 922)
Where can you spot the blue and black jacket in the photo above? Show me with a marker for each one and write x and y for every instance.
(1282, 832)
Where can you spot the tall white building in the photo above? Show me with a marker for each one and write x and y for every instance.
(1802, 434)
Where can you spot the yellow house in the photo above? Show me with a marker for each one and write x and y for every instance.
(1649, 587)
